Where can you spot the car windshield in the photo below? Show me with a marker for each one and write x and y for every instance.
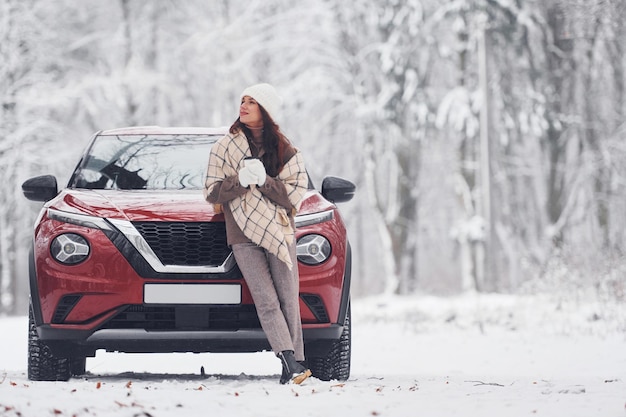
(145, 162)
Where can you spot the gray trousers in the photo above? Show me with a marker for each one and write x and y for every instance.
(275, 291)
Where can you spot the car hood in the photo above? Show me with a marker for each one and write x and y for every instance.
(171, 205)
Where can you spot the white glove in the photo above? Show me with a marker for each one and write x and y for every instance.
(258, 170)
(246, 177)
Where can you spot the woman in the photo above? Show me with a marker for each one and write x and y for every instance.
(258, 179)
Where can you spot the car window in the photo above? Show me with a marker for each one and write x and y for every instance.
(145, 162)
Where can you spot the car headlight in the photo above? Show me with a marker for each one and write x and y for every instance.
(315, 218)
(79, 219)
(313, 249)
(69, 248)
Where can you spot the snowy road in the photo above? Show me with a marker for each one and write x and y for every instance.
(453, 361)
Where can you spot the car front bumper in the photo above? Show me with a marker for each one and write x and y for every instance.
(317, 340)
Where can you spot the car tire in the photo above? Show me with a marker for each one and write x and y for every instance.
(336, 364)
(43, 364)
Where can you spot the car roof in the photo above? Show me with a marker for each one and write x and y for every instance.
(158, 130)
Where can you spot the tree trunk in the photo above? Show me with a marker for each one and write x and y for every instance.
(560, 70)
(127, 55)
(14, 71)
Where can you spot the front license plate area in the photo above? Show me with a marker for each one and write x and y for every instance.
(192, 294)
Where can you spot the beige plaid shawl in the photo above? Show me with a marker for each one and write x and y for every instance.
(263, 222)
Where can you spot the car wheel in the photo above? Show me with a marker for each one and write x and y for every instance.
(43, 365)
(336, 364)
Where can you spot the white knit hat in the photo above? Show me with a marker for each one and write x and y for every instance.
(266, 96)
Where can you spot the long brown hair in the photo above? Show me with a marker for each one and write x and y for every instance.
(275, 143)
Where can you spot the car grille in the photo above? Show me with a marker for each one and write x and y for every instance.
(186, 318)
(186, 243)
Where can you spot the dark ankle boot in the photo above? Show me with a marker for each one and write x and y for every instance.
(292, 370)
(284, 376)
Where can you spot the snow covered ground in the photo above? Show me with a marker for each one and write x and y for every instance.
(472, 355)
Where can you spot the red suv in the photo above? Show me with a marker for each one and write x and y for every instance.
(130, 258)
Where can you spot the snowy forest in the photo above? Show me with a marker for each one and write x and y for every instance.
(485, 137)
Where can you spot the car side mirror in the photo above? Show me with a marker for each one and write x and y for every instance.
(41, 188)
(337, 190)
